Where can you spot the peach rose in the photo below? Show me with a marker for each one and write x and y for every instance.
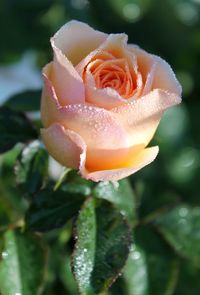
(102, 102)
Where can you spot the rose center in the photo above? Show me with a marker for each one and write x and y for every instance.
(113, 73)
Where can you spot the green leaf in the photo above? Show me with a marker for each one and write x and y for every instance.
(77, 188)
(14, 128)
(151, 267)
(73, 177)
(10, 196)
(70, 181)
(102, 246)
(25, 102)
(52, 209)
(31, 168)
(188, 278)
(180, 227)
(66, 275)
(22, 267)
(4, 218)
(121, 195)
(118, 287)
(136, 273)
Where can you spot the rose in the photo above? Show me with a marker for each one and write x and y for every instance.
(102, 102)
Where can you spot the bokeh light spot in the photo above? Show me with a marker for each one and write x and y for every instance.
(187, 13)
(184, 166)
(79, 4)
(131, 12)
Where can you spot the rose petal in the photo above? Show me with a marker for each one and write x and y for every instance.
(65, 146)
(107, 98)
(141, 117)
(161, 77)
(143, 158)
(114, 44)
(164, 77)
(66, 45)
(104, 137)
(76, 40)
(68, 84)
(105, 159)
(149, 80)
(49, 100)
(97, 126)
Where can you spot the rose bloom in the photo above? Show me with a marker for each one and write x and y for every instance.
(102, 102)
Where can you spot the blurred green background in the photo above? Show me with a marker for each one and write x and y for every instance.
(169, 28)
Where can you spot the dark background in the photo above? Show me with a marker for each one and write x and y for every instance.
(169, 28)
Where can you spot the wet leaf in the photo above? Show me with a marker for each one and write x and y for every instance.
(22, 267)
(180, 227)
(31, 168)
(102, 246)
(121, 195)
(25, 102)
(14, 128)
(188, 278)
(52, 209)
(149, 256)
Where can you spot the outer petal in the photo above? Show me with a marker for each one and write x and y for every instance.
(143, 158)
(76, 40)
(65, 146)
(164, 77)
(141, 117)
(155, 71)
(67, 87)
(49, 101)
(106, 159)
(97, 126)
(66, 44)
(68, 84)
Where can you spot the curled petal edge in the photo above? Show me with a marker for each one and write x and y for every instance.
(69, 149)
(64, 145)
(144, 157)
(75, 35)
(140, 118)
(68, 85)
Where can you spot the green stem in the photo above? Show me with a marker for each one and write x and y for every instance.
(61, 178)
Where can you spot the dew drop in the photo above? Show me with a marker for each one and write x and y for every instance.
(135, 255)
(132, 248)
(4, 254)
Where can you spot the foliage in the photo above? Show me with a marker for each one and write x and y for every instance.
(138, 237)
